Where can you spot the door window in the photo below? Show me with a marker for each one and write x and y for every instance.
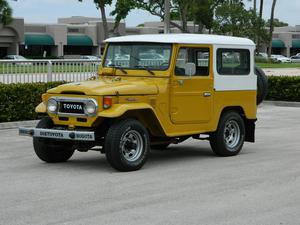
(199, 56)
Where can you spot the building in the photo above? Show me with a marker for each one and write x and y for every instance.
(286, 40)
(11, 37)
(75, 36)
(69, 37)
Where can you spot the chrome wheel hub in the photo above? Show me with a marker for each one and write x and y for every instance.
(232, 134)
(131, 145)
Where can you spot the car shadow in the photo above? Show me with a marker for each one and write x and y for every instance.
(84, 162)
(180, 153)
(173, 154)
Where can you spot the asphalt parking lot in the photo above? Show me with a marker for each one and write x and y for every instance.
(184, 185)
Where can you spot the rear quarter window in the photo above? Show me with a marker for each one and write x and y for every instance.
(233, 61)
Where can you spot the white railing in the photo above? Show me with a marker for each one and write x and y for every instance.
(31, 71)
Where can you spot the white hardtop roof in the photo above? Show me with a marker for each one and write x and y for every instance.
(184, 39)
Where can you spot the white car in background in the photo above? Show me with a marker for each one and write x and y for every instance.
(262, 55)
(92, 58)
(281, 59)
(19, 60)
(296, 58)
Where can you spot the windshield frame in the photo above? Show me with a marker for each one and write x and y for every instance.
(139, 43)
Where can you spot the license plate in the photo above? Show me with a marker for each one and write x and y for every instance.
(63, 134)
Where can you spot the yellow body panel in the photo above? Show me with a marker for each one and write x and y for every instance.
(180, 109)
(41, 108)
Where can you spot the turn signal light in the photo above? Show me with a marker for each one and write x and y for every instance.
(107, 102)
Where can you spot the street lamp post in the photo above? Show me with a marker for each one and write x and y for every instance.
(167, 17)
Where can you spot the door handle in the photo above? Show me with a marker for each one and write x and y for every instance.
(180, 82)
(206, 94)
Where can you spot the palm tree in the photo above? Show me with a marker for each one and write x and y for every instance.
(272, 26)
(254, 5)
(261, 9)
(5, 12)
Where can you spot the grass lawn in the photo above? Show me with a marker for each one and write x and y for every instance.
(278, 65)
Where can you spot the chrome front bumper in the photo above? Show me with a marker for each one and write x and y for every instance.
(58, 134)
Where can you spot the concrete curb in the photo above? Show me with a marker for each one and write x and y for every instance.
(33, 123)
(282, 103)
(17, 124)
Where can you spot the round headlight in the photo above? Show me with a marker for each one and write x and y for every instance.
(52, 105)
(91, 107)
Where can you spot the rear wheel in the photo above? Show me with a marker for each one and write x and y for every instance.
(229, 138)
(127, 145)
(48, 150)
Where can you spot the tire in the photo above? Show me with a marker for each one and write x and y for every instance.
(225, 143)
(262, 85)
(48, 150)
(160, 146)
(127, 145)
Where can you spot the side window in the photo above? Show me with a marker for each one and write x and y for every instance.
(233, 61)
(199, 56)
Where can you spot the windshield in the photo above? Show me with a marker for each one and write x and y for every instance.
(138, 56)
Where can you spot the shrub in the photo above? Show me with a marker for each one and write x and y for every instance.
(18, 101)
(259, 59)
(284, 88)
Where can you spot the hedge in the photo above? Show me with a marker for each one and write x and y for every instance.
(284, 88)
(18, 101)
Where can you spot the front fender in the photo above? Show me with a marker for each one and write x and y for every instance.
(118, 110)
(41, 108)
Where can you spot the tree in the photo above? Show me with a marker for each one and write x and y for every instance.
(271, 27)
(203, 12)
(100, 4)
(277, 23)
(154, 7)
(5, 12)
(122, 9)
(199, 11)
(231, 18)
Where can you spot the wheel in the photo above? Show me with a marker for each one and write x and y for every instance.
(229, 138)
(160, 146)
(262, 85)
(127, 145)
(48, 150)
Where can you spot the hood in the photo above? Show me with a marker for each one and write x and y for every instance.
(109, 86)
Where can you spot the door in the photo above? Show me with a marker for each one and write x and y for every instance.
(192, 96)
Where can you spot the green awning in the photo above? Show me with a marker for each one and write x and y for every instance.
(296, 44)
(38, 39)
(278, 44)
(79, 40)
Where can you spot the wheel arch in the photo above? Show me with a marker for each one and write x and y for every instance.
(148, 118)
(249, 123)
(143, 113)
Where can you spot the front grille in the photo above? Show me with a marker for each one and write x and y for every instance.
(71, 107)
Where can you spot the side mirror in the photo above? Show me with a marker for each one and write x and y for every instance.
(190, 69)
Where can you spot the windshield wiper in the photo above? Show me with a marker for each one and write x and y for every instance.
(145, 68)
(119, 68)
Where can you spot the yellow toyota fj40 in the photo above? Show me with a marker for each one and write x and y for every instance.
(152, 91)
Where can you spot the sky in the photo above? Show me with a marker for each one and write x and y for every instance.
(47, 11)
